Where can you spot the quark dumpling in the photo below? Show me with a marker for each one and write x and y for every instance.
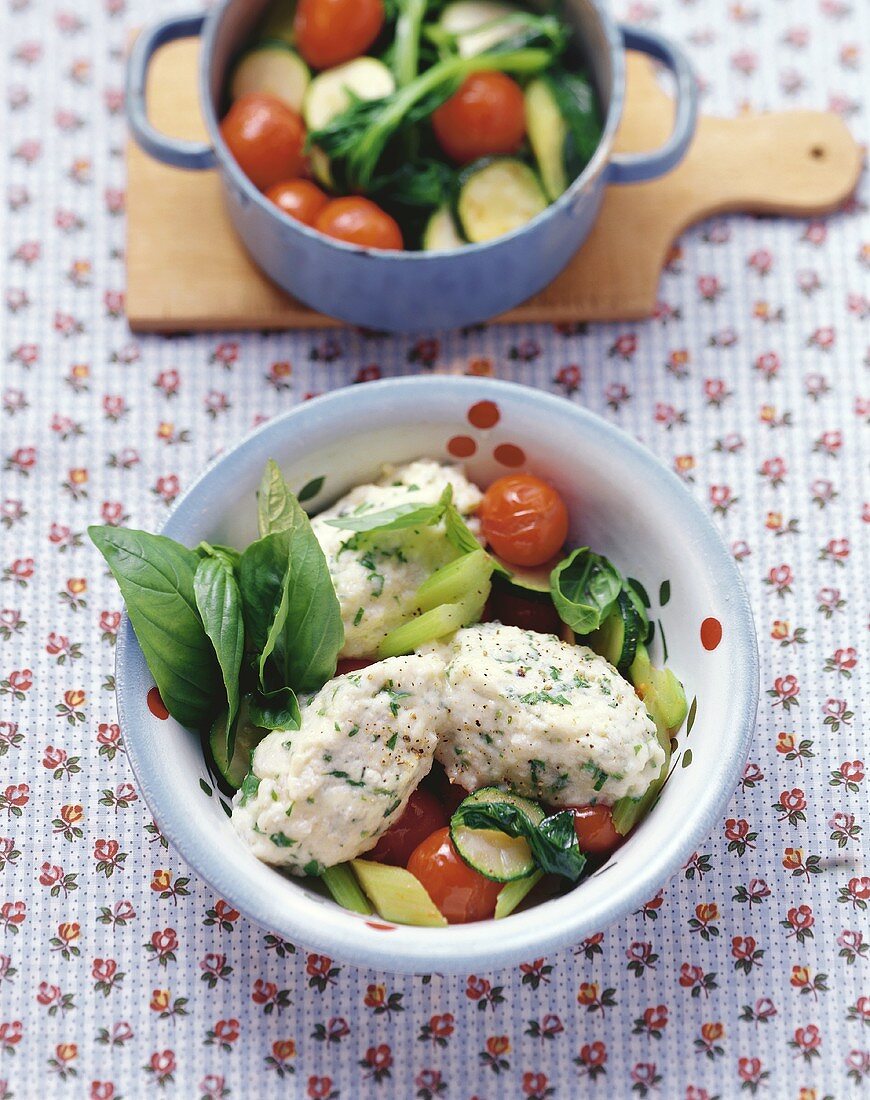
(327, 791)
(376, 581)
(549, 720)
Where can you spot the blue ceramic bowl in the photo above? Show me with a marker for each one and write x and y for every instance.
(405, 291)
(621, 501)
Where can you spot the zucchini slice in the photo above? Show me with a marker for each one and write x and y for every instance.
(497, 197)
(494, 794)
(477, 24)
(273, 69)
(330, 92)
(397, 895)
(492, 854)
(441, 233)
(620, 634)
(547, 130)
(247, 737)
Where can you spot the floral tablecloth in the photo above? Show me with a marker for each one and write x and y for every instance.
(121, 974)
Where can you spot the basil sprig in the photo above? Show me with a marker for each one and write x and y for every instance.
(156, 578)
(219, 603)
(198, 613)
(553, 842)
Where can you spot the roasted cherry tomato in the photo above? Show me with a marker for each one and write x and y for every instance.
(359, 221)
(353, 664)
(510, 608)
(329, 32)
(266, 137)
(301, 199)
(523, 519)
(485, 118)
(460, 893)
(595, 831)
(420, 818)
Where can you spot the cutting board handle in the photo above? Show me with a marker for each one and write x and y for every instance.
(795, 162)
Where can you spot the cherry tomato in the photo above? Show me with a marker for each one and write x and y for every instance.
(329, 32)
(514, 610)
(353, 664)
(301, 199)
(523, 519)
(420, 818)
(266, 138)
(595, 831)
(485, 118)
(460, 893)
(359, 221)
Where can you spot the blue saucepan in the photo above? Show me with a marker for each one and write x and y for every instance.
(404, 291)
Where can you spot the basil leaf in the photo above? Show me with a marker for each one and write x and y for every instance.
(226, 553)
(275, 710)
(262, 573)
(584, 587)
(458, 532)
(292, 614)
(275, 502)
(460, 535)
(156, 578)
(397, 518)
(313, 632)
(219, 603)
(553, 843)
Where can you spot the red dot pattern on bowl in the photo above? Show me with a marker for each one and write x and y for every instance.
(156, 705)
(461, 446)
(484, 415)
(509, 454)
(711, 633)
(381, 927)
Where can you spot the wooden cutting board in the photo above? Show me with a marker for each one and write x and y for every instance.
(186, 269)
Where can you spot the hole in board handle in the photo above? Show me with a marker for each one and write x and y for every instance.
(817, 152)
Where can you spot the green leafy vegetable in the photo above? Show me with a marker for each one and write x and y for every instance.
(419, 182)
(355, 140)
(310, 489)
(275, 710)
(226, 553)
(292, 614)
(219, 603)
(398, 518)
(578, 107)
(584, 587)
(262, 572)
(156, 578)
(275, 502)
(553, 841)
(406, 45)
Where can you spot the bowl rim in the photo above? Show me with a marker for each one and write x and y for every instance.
(594, 168)
(459, 948)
